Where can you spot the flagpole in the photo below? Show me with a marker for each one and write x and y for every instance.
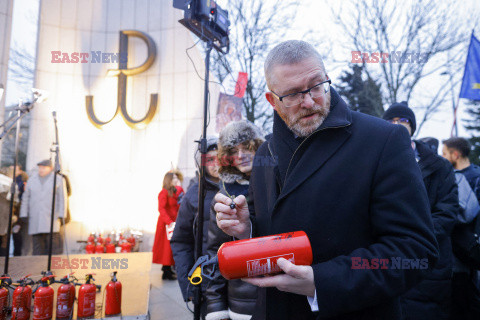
(454, 125)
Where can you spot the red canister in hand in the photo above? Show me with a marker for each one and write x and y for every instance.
(258, 256)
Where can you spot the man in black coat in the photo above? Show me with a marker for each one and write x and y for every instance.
(183, 238)
(431, 299)
(351, 182)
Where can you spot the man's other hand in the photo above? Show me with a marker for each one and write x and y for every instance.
(297, 279)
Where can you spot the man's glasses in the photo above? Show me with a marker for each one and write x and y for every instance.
(399, 121)
(294, 99)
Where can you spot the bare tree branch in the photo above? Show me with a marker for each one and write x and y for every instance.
(427, 27)
(256, 27)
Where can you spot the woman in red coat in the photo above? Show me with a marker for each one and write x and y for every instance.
(168, 204)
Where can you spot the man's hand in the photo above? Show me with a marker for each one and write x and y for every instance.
(297, 279)
(234, 222)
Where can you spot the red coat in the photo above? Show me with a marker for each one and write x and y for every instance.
(168, 208)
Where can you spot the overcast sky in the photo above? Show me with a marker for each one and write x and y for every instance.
(311, 15)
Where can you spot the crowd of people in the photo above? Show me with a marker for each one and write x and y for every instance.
(360, 187)
(32, 209)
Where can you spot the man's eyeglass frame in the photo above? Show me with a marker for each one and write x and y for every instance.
(303, 92)
(399, 121)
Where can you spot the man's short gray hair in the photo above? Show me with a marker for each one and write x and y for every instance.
(289, 52)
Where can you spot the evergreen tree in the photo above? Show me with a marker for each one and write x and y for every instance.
(473, 126)
(362, 95)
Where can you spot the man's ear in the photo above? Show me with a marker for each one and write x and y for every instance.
(456, 154)
(271, 99)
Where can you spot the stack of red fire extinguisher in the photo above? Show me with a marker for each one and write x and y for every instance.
(110, 244)
(43, 297)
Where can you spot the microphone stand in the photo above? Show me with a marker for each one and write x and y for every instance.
(201, 186)
(55, 149)
(15, 119)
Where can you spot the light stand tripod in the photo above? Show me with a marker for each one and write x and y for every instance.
(22, 111)
(201, 185)
(56, 171)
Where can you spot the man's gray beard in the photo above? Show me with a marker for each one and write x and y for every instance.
(303, 131)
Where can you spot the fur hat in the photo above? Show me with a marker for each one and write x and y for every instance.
(237, 132)
(232, 135)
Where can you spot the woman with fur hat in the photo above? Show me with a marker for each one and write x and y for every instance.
(168, 204)
(237, 144)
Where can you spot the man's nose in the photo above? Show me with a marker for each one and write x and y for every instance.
(307, 101)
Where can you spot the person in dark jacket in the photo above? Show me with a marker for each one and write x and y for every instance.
(350, 182)
(465, 292)
(238, 142)
(17, 232)
(183, 239)
(456, 150)
(431, 299)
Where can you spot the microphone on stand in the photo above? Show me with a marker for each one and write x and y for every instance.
(40, 95)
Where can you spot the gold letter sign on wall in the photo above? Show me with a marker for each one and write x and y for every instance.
(122, 73)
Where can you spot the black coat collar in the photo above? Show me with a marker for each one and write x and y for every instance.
(429, 161)
(302, 157)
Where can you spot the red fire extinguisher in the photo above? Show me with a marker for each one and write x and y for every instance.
(43, 299)
(126, 247)
(86, 298)
(131, 239)
(113, 304)
(255, 256)
(5, 282)
(22, 299)
(110, 248)
(99, 248)
(65, 298)
(90, 248)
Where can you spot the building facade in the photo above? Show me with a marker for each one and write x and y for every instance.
(116, 169)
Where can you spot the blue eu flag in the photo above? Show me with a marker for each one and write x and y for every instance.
(471, 77)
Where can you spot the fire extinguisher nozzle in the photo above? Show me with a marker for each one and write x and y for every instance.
(196, 277)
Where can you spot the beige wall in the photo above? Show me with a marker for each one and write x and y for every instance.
(116, 172)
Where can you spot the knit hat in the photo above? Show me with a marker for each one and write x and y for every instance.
(401, 110)
(212, 144)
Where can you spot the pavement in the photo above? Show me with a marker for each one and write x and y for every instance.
(166, 300)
